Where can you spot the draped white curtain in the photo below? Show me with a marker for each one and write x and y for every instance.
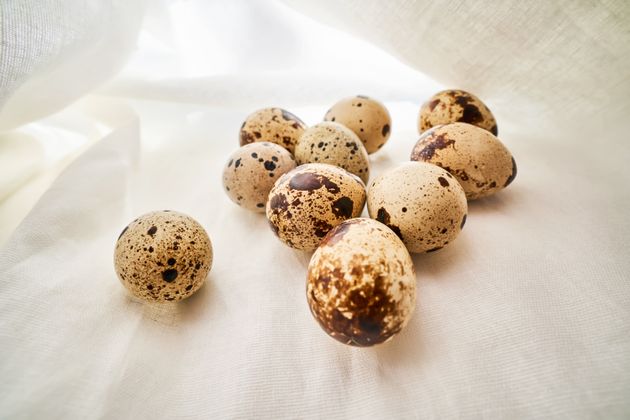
(112, 108)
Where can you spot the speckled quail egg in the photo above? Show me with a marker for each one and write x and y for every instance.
(163, 256)
(422, 203)
(252, 170)
(275, 125)
(307, 202)
(361, 285)
(451, 106)
(335, 144)
(479, 161)
(368, 118)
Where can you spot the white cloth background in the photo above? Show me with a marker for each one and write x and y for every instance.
(526, 315)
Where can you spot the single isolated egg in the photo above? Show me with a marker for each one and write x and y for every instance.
(422, 203)
(163, 256)
(251, 172)
(451, 106)
(368, 118)
(306, 203)
(361, 284)
(335, 144)
(275, 125)
(479, 161)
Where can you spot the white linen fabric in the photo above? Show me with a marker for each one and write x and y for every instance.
(525, 315)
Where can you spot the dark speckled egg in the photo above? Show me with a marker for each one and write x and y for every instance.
(361, 285)
(275, 125)
(307, 202)
(163, 256)
(251, 171)
(449, 106)
(480, 162)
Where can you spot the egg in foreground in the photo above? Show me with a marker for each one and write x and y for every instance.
(361, 284)
(163, 256)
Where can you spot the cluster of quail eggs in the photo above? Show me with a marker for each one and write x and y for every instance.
(311, 184)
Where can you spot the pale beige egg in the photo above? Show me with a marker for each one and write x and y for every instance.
(163, 256)
(368, 118)
(422, 203)
(361, 284)
(449, 106)
(479, 161)
(307, 202)
(335, 144)
(274, 125)
(251, 171)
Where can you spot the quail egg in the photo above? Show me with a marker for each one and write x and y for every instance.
(252, 170)
(163, 256)
(422, 203)
(451, 106)
(307, 202)
(275, 125)
(367, 117)
(335, 144)
(361, 284)
(479, 161)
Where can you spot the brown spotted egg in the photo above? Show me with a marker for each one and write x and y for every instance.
(275, 125)
(479, 161)
(252, 170)
(368, 118)
(422, 203)
(163, 256)
(451, 106)
(361, 285)
(306, 203)
(335, 144)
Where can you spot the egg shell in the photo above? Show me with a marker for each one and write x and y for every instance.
(251, 171)
(422, 203)
(361, 284)
(274, 125)
(368, 118)
(307, 202)
(335, 144)
(163, 256)
(454, 105)
(479, 161)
